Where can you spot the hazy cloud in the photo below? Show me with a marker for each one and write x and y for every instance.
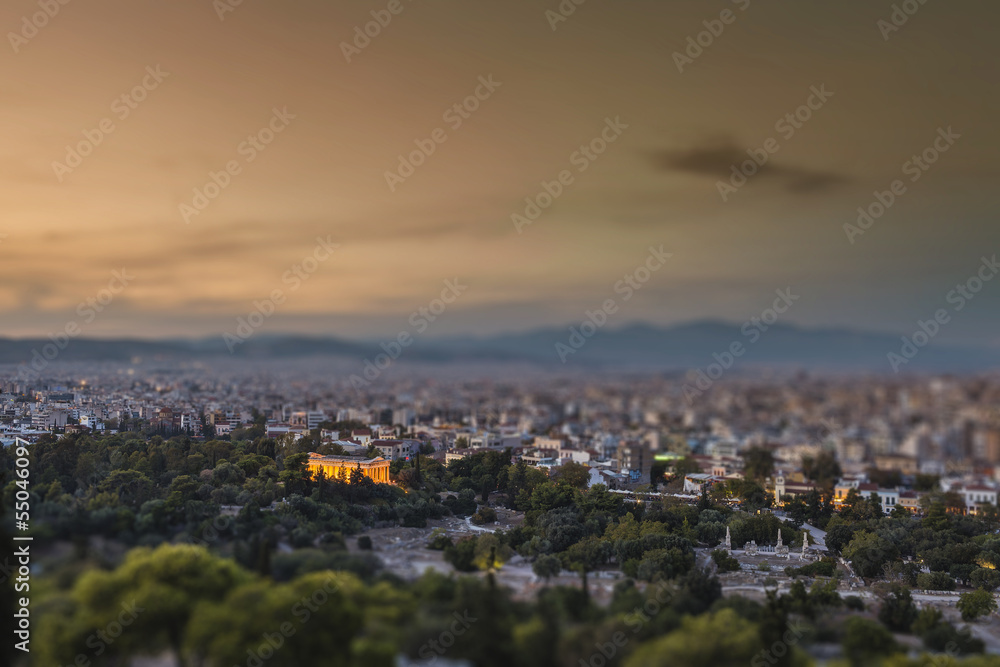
(717, 161)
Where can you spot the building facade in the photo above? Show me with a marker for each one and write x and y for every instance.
(340, 467)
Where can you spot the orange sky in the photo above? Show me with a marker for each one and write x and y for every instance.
(324, 174)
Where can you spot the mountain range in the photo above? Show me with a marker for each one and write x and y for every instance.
(633, 347)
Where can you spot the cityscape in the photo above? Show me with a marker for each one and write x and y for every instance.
(548, 334)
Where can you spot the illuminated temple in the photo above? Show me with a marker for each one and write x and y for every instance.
(340, 467)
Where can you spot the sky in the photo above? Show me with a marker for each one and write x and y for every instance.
(333, 112)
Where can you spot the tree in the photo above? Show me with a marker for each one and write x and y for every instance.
(132, 487)
(935, 581)
(357, 476)
(686, 466)
(897, 611)
(162, 588)
(926, 482)
(936, 517)
(945, 637)
(752, 494)
(725, 562)
(575, 474)
(490, 553)
(587, 555)
(926, 621)
(517, 478)
(296, 475)
(664, 563)
(962, 572)
(839, 536)
(721, 639)
(484, 516)
(758, 463)
(656, 472)
(227, 631)
(975, 604)
(990, 515)
(462, 554)
(697, 591)
(868, 553)
(547, 566)
(814, 507)
(865, 641)
(823, 469)
(985, 578)
(886, 479)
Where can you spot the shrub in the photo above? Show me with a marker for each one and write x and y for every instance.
(439, 541)
(935, 581)
(897, 611)
(462, 554)
(928, 619)
(865, 641)
(826, 567)
(985, 578)
(854, 603)
(975, 604)
(484, 515)
(946, 637)
(725, 562)
(365, 543)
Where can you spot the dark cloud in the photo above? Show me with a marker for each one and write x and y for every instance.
(717, 160)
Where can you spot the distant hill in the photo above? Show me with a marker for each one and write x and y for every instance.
(693, 345)
(632, 347)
